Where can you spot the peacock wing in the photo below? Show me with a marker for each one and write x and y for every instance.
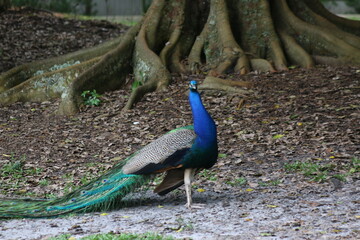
(174, 178)
(162, 154)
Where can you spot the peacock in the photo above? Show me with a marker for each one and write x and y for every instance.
(181, 153)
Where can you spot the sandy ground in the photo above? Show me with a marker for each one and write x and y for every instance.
(311, 212)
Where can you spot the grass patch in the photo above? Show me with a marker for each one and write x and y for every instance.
(270, 183)
(316, 172)
(112, 236)
(321, 172)
(237, 182)
(15, 175)
(208, 175)
(354, 18)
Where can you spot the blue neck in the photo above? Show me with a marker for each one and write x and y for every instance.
(204, 125)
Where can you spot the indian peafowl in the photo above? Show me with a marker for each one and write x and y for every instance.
(180, 153)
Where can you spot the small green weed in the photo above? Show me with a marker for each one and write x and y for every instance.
(112, 236)
(318, 173)
(16, 175)
(208, 175)
(91, 98)
(13, 168)
(135, 85)
(237, 182)
(184, 225)
(355, 165)
(270, 183)
(86, 178)
(44, 182)
(321, 172)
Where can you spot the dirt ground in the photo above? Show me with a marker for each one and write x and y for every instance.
(257, 190)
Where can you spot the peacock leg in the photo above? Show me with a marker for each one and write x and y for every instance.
(188, 177)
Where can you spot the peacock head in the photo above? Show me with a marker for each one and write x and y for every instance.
(193, 85)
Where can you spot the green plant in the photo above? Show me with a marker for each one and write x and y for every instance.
(44, 182)
(270, 183)
(15, 175)
(355, 165)
(318, 173)
(237, 182)
(208, 175)
(341, 177)
(135, 85)
(112, 236)
(91, 98)
(14, 167)
(184, 225)
(86, 178)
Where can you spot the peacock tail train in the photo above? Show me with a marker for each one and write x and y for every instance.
(103, 193)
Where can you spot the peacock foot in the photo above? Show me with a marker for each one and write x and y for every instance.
(195, 206)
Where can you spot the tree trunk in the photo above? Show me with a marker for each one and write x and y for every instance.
(212, 37)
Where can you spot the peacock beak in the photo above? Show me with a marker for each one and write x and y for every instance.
(193, 85)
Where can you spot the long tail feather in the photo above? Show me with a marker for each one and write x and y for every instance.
(101, 194)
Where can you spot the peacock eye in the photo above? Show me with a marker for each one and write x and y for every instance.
(104, 180)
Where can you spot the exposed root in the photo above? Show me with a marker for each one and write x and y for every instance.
(324, 60)
(149, 69)
(261, 65)
(176, 65)
(305, 13)
(221, 36)
(295, 53)
(214, 83)
(45, 86)
(351, 26)
(22, 73)
(107, 74)
(174, 38)
(216, 36)
(195, 53)
(322, 42)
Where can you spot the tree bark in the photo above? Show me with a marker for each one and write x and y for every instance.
(210, 37)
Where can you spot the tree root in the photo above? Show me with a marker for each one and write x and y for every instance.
(261, 65)
(214, 83)
(295, 53)
(322, 42)
(220, 36)
(45, 86)
(149, 69)
(306, 14)
(213, 37)
(22, 73)
(196, 51)
(107, 74)
(348, 25)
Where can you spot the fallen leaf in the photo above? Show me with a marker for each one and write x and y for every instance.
(277, 136)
